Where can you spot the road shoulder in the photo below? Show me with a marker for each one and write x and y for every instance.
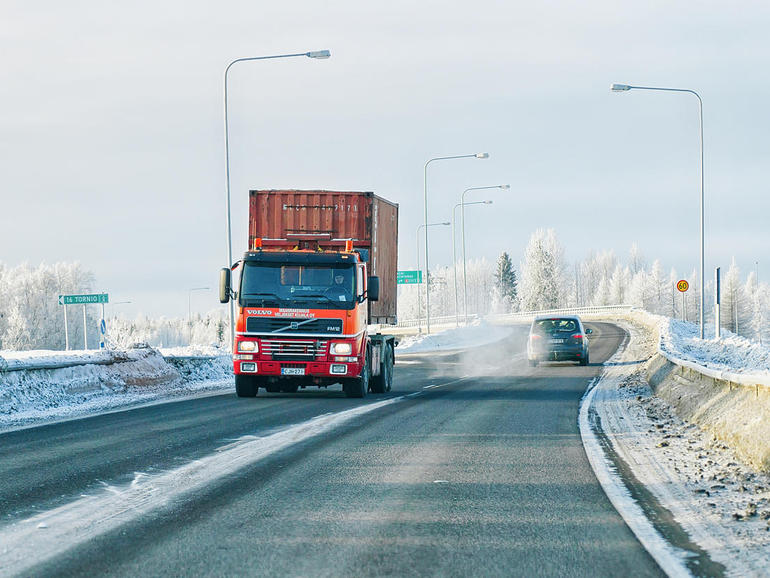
(690, 488)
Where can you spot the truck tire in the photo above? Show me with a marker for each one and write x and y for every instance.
(382, 383)
(246, 386)
(359, 386)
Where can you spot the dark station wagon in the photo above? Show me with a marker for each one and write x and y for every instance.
(561, 338)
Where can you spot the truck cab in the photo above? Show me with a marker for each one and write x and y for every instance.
(309, 289)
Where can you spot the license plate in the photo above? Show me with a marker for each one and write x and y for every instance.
(292, 371)
(555, 341)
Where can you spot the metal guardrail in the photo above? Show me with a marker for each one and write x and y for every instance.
(441, 320)
(597, 310)
(728, 377)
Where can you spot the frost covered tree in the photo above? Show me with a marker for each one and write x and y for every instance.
(32, 317)
(505, 288)
(735, 310)
(543, 273)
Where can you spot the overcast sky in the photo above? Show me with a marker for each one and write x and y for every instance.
(112, 147)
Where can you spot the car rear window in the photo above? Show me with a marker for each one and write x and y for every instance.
(556, 326)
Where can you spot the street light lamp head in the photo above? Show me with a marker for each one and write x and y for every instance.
(320, 54)
(505, 187)
(482, 155)
(620, 87)
(487, 202)
(445, 223)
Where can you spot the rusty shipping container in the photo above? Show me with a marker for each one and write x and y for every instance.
(370, 221)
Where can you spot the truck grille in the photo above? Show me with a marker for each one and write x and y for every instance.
(294, 349)
(291, 325)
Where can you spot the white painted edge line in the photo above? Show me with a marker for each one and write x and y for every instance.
(48, 534)
(667, 557)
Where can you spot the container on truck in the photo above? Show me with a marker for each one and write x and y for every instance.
(317, 279)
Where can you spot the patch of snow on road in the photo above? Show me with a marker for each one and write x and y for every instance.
(479, 333)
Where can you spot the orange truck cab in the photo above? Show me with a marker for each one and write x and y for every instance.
(307, 296)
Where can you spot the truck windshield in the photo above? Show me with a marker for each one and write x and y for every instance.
(294, 285)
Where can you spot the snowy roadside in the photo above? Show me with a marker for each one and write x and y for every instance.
(722, 505)
(731, 357)
(42, 386)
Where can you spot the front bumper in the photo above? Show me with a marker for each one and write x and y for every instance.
(295, 369)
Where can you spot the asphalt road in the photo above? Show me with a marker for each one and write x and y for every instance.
(481, 473)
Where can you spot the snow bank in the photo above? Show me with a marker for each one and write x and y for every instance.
(723, 505)
(41, 386)
(479, 333)
(730, 358)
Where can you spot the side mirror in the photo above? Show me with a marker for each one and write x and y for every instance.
(224, 285)
(589, 331)
(373, 291)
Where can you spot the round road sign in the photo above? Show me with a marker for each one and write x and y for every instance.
(682, 285)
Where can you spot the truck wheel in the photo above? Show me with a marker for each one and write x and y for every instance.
(246, 386)
(359, 386)
(382, 383)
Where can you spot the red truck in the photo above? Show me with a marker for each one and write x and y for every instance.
(319, 273)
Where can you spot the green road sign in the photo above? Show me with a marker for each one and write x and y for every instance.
(84, 299)
(408, 277)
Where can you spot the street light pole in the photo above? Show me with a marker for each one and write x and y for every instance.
(317, 54)
(419, 300)
(425, 221)
(454, 253)
(462, 213)
(189, 307)
(627, 87)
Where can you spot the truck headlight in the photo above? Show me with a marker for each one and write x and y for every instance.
(338, 348)
(248, 346)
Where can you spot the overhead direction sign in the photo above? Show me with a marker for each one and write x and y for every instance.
(683, 285)
(408, 277)
(84, 299)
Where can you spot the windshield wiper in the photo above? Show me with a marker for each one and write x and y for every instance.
(262, 297)
(322, 296)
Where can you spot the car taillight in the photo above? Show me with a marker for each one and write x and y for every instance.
(578, 336)
(533, 337)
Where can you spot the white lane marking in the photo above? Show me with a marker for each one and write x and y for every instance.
(463, 378)
(662, 552)
(23, 545)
